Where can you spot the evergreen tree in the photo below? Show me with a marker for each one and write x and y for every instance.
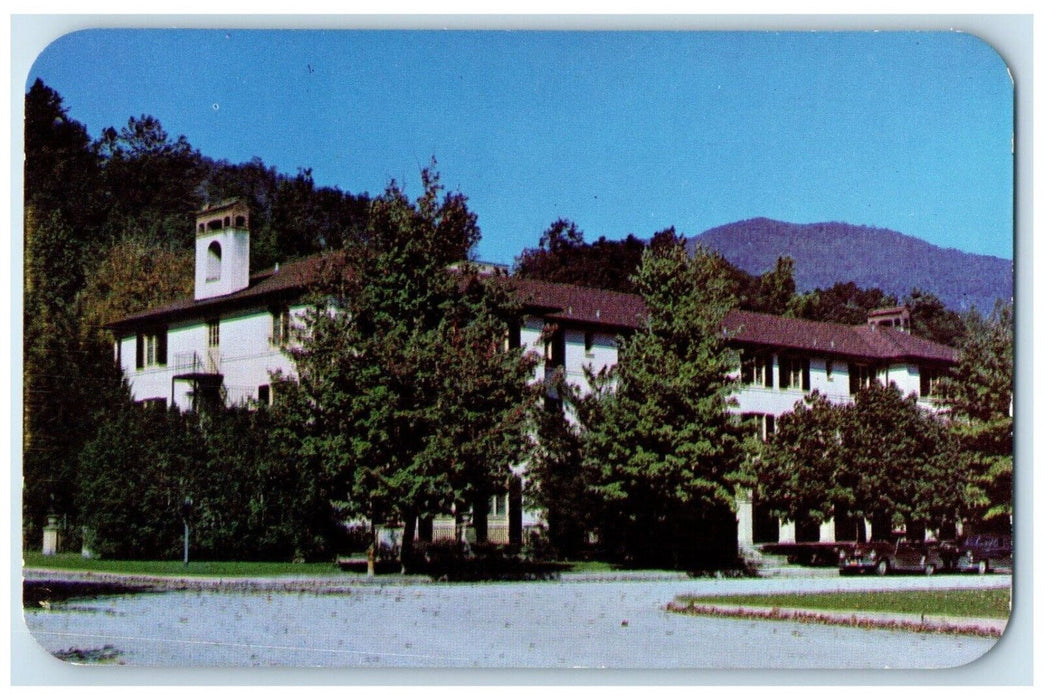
(659, 441)
(929, 318)
(979, 392)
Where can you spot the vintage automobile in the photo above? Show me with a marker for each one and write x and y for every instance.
(983, 553)
(885, 557)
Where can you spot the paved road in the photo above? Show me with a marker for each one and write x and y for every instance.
(618, 624)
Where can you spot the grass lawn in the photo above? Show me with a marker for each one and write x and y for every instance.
(587, 567)
(75, 562)
(994, 603)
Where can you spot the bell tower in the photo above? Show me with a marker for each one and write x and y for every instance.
(222, 249)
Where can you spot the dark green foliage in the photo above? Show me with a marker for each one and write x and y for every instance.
(660, 448)
(774, 290)
(454, 561)
(150, 183)
(251, 498)
(62, 171)
(563, 256)
(290, 217)
(413, 405)
(980, 394)
(930, 319)
(134, 476)
(881, 458)
(844, 303)
(980, 386)
(69, 377)
(556, 480)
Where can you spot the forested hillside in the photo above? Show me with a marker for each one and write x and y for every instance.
(108, 231)
(825, 254)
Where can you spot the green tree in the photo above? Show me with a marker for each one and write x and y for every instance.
(62, 170)
(881, 458)
(413, 401)
(134, 476)
(797, 471)
(929, 318)
(151, 183)
(68, 378)
(564, 256)
(902, 459)
(659, 441)
(980, 386)
(979, 392)
(845, 302)
(556, 480)
(773, 291)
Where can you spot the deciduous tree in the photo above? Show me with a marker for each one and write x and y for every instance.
(415, 402)
(882, 458)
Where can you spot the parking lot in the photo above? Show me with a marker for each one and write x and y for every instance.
(617, 624)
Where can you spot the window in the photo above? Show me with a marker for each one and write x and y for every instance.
(280, 326)
(589, 343)
(513, 339)
(151, 350)
(756, 369)
(830, 370)
(859, 376)
(213, 333)
(930, 378)
(264, 395)
(554, 351)
(795, 373)
(214, 262)
(498, 505)
(763, 423)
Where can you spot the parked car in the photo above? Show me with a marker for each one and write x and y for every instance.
(983, 553)
(884, 557)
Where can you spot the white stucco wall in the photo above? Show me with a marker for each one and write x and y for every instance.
(776, 401)
(244, 355)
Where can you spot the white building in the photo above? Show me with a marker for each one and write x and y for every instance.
(783, 359)
(224, 344)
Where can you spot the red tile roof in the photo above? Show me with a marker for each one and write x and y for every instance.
(576, 305)
(581, 305)
(747, 327)
(561, 302)
(288, 281)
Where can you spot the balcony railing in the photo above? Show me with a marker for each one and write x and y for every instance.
(194, 363)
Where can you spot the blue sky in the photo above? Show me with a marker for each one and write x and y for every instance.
(626, 132)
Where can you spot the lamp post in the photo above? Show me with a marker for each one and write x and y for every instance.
(186, 511)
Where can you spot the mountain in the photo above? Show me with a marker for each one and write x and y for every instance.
(827, 253)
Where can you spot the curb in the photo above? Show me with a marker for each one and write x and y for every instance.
(979, 627)
(328, 584)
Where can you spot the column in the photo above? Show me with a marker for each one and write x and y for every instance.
(826, 531)
(787, 532)
(744, 519)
